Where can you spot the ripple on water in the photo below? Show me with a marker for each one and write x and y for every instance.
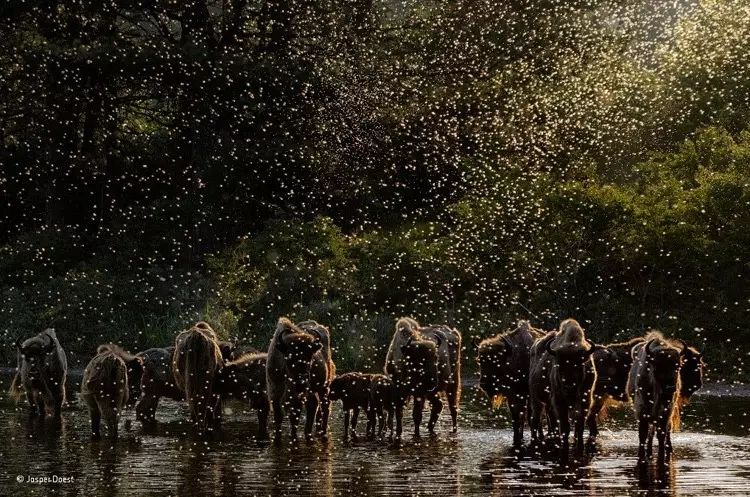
(478, 461)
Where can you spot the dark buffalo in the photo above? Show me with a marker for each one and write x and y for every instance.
(562, 376)
(353, 390)
(196, 363)
(104, 388)
(382, 403)
(134, 365)
(244, 378)
(157, 381)
(299, 371)
(654, 383)
(41, 372)
(422, 363)
(504, 371)
(612, 364)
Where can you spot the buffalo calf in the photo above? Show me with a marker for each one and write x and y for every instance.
(353, 390)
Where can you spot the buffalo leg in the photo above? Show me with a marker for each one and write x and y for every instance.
(536, 421)
(33, 407)
(660, 434)
(650, 441)
(355, 416)
(436, 406)
(399, 417)
(324, 413)
(346, 424)
(96, 420)
(381, 421)
(643, 435)
(110, 418)
(417, 414)
(57, 408)
(580, 421)
(370, 422)
(553, 429)
(145, 410)
(295, 411)
(564, 419)
(263, 420)
(390, 421)
(668, 442)
(591, 420)
(312, 411)
(517, 409)
(452, 398)
(278, 417)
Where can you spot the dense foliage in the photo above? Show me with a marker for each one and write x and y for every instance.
(466, 162)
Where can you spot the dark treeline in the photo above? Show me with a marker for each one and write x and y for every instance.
(468, 162)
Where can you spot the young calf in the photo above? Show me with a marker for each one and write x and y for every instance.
(353, 390)
(382, 401)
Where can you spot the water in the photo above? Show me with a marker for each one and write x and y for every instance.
(712, 456)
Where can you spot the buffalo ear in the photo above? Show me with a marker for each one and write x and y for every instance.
(548, 348)
(440, 338)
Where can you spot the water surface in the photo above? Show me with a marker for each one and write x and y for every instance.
(712, 456)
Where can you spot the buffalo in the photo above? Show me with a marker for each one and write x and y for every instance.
(612, 363)
(422, 362)
(299, 371)
(504, 371)
(655, 384)
(353, 390)
(382, 403)
(134, 365)
(562, 378)
(196, 363)
(244, 378)
(157, 381)
(104, 388)
(41, 372)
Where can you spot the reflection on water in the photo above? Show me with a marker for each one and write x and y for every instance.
(711, 457)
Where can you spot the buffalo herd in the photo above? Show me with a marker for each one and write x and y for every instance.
(556, 381)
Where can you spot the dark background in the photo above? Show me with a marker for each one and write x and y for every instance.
(466, 162)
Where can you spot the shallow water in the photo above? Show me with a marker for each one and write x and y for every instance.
(712, 456)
